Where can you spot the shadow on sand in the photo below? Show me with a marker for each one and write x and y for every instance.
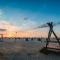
(47, 51)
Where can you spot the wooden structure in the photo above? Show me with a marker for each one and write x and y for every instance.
(50, 24)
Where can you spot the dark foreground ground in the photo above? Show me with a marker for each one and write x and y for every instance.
(24, 51)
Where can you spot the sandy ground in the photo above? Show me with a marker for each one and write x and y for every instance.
(24, 51)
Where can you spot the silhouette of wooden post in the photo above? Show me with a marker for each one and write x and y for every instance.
(15, 36)
(1, 36)
(2, 30)
(50, 32)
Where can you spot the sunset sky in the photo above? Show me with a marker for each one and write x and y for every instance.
(22, 15)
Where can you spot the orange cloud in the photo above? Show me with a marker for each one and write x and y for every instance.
(12, 29)
(8, 26)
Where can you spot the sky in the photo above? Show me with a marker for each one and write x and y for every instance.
(23, 15)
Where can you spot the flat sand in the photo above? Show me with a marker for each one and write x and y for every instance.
(24, 51)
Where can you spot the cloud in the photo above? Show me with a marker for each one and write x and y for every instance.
(25, 25)
(7, 25)
(28, 24)
(1, 12)
(23, 30)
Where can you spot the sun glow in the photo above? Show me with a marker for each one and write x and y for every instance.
(25, 34)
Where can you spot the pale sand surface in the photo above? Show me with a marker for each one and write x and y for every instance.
(24, 51)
